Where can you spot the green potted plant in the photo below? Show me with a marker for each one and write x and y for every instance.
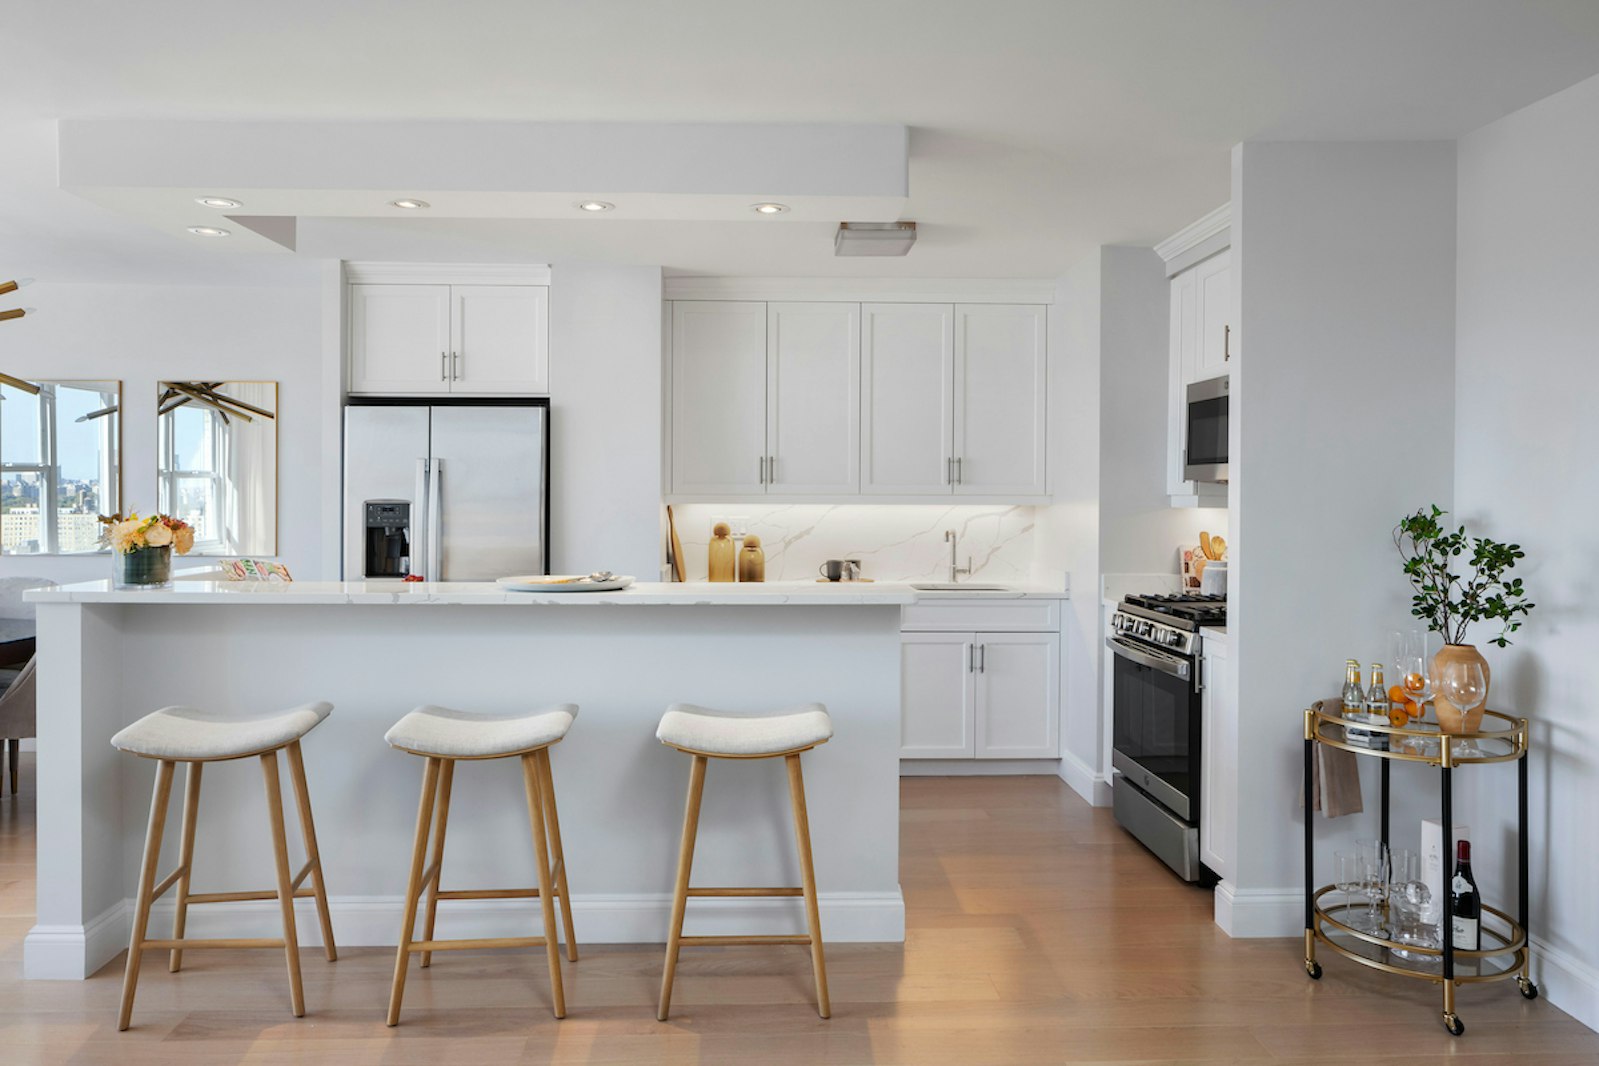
(1450, 603)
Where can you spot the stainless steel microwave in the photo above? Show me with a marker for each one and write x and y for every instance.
(1205, 457)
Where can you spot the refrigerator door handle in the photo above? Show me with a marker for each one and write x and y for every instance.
(419, 520)
(435, 521)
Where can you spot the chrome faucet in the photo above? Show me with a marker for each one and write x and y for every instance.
(955, 570)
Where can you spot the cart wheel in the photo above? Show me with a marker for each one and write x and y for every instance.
(1313, 968)
(1528, 989)
(1453, 1023)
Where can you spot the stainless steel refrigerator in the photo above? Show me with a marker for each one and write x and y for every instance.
(447, 491)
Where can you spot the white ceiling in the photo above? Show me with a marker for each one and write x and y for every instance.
(1040, 128)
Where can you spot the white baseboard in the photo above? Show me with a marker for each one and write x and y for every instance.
(1259, 912)
(76, 952)
(978, 767)
(1093, 786)
(73, 952)
(1566, 982)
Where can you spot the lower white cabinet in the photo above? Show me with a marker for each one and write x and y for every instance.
(980, 695)
(1218, 759)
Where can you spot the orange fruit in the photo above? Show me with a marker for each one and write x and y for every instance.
(1415, 682)
(1396, 694)
(1397, 715)
(1414, 709)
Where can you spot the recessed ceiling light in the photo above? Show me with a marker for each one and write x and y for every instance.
(410, 205)
(768, 209)
(218, 202)
(209, 231)
(593, 205)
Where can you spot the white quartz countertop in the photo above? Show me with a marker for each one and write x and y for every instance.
(447, 593)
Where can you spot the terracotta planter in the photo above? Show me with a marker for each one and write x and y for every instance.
(1450, 717)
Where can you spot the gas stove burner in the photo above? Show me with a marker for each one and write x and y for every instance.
(1188, 610)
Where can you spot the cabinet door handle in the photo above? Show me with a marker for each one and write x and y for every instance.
(771, 469)
(982, 658)
(1226, 344)
(960, 470)
(949, 470)
(455, 366)
(444, 363)
(971, 658)
(760, 468)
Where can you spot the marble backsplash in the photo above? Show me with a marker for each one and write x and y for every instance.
(893, 542)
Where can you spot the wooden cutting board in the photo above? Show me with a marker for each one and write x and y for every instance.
(677, 546)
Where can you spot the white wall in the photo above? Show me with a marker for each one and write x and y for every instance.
(1344, 261)
(140, 334)
(605, 419)
(1139, 530)
(1527, 376)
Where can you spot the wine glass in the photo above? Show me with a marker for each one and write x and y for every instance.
(1414, 671)
(1374, 874)
(1408, 899)
(1464, 685)
(1346, 866)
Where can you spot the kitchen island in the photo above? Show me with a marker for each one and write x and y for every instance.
(375, 650)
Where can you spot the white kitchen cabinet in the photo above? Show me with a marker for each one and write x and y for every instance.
(1218, 760)
(500, 339)
(999, 400)
(1018, 695)
(907, 382)
(400, 339)
(938, 696)
(430, 340)
(719, 397)
(1214, 341)
(980, 693)
(813, 399)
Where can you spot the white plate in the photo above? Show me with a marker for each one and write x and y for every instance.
(543, 583)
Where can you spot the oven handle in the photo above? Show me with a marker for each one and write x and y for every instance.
(1166, 664)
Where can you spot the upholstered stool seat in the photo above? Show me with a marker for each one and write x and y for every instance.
(188, 734)
(196, 737)
(728, 734)
(452, 734)
(709, 734)
(443, 737)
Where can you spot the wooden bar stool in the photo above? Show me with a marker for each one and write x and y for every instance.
(706, 734)
(196, 737)
(444, 737)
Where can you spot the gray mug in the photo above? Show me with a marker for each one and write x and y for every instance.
(833, 569)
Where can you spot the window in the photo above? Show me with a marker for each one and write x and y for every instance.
(58, 466)
(194, 445)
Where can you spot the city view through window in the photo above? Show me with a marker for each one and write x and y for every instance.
(55, 470)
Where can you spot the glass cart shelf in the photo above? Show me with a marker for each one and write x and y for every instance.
(1504, 953)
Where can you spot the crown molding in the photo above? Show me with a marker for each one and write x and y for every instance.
(447, 273)
(1191, 237)
(851, 290)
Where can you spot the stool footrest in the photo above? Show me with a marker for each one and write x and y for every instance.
(733, 941)
(218, 942)
(755, 892)
(490, 893)
(170, 880)
(245, 897)
(471, 945)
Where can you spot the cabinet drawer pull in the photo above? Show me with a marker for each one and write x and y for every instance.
(444, 363)
(1226, 344)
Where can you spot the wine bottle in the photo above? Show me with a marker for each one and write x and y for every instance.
(1465, 904)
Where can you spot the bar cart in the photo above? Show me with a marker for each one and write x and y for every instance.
(1504, 949)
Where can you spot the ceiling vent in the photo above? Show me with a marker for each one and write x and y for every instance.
(874, 238)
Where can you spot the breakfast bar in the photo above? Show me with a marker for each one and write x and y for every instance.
(375, 651)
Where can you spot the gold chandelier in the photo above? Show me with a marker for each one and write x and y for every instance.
(13, 286)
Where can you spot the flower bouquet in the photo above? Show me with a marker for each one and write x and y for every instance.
(142, 548)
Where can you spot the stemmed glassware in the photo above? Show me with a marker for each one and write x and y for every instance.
(1412, 667)
(1346, 865)
(1464, 685)
(1408, 896)
(1374, 875)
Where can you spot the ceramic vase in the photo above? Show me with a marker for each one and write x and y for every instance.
(1450, 718)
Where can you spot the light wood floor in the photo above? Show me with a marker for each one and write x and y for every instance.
(1038, 933)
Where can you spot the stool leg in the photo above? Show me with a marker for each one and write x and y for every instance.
(440, 823)
(685, 862)
(413, 890)
(813, 916)
(191, 810)
(280, 852)
(141, 911)
(313, 854)
(547, 786)
(15, 746)
(535, 815)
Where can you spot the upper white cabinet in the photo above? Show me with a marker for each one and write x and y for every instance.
(884, 400)
(999, 400)
(1213, 343)
(427, 339)
(907, 399)
(813, 398)
(1203, 338)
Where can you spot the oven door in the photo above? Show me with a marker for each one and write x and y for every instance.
(1155, 724)
(1206, 456)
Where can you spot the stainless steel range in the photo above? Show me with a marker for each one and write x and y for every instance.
(1155, 722)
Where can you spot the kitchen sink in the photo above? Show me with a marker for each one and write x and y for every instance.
(956, 586)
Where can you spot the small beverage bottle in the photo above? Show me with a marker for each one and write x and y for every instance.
(1377, 710)
(1354, 700)
(1465, 904)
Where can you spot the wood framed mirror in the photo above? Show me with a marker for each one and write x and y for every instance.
(217, 463)
(60, 464)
